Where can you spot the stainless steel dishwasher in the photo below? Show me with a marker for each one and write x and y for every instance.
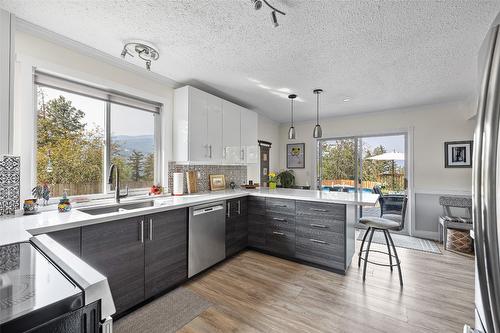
(207, 236)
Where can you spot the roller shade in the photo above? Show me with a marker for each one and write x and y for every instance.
(108, 95)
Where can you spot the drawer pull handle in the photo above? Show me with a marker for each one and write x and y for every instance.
(318, 210)
(278, 233)
(318, 226)
(279, 219)
(317, 241)
(282, 206)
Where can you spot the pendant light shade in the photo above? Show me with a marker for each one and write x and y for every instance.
(317, 133)
(291, 130)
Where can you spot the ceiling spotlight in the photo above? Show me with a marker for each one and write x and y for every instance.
(143, 50)
(257, 4)
(275, 20)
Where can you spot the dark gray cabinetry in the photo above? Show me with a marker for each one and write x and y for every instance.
(320, 233)
(257, 222)
(116, 250)
(69, 238)
(236, 225)
(166, 251)
(280, 226)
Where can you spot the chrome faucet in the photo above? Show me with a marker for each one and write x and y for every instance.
(118, 196)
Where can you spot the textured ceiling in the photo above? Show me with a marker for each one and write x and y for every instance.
(381, 54)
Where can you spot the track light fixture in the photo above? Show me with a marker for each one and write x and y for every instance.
(144, 51)
(257, 4)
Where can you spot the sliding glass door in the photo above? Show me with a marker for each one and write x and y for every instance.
(371, 164)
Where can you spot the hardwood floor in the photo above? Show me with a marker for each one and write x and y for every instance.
(254, 292)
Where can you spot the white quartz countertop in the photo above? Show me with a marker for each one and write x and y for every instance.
(21, 228)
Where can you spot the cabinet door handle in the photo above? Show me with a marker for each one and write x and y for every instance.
(142, 231)
(228, 214)
(279, 219)
(278, 233)
(242, 155)
(318, 225)
(239, 207)
(317, 241)
(151, 229)
(318, 210)
(210, 150)
(224, 153)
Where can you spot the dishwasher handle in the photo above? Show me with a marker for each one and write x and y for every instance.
(207, 210)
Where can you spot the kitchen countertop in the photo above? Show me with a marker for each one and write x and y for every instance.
(21, 228)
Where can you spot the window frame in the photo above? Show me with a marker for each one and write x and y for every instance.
(112, 94)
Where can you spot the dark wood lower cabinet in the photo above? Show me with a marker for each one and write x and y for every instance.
(69, 238)
(116, 250)
(236, 225)
(257, 222)
(166, 251)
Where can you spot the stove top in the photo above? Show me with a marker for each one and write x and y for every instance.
(32, 288)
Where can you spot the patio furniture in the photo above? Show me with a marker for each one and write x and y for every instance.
(449, 221)
(390, 204)
(384, 225)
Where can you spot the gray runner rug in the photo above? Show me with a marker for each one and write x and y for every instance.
(168, 313)
(407, 242)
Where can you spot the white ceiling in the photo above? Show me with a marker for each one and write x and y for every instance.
(382, 54)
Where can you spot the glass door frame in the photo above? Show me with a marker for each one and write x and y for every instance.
(358, 168)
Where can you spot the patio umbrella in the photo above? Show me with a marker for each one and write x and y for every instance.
(394, 156)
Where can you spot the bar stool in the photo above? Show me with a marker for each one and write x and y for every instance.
(385, 225)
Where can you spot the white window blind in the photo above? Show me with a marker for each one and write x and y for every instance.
(112, 96)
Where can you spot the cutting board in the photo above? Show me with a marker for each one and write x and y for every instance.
(191, 180)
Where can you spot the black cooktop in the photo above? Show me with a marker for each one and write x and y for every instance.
(32, 289)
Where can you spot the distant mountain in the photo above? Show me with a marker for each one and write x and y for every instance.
(128, 143)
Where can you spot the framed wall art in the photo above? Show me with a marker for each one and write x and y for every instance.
(458, 154)
(295, 156)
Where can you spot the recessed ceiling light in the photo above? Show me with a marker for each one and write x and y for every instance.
(347, 99)
(264, 87)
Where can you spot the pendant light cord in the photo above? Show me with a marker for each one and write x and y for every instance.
(292, 112)
(317, 109)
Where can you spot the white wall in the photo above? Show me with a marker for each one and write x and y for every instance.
(269, 130)
(428, 126)
(34, 52)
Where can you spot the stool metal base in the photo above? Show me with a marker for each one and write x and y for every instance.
(389, 243)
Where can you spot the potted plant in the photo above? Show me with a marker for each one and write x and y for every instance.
(286, 178)
(272, 180)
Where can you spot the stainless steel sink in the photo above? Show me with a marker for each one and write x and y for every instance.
(117, 208)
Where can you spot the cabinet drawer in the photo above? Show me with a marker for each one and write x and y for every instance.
(281, 222)
(320, 234)
(281, 242)
(282, 206)
(321, 210)
(320, 251)
(320, 223)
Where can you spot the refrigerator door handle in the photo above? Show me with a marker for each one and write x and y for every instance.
(484, 186)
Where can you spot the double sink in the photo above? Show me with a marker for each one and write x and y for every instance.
(117, 207)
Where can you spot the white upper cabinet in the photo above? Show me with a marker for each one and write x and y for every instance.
(231, 141)
(209, 129)
(249, 144)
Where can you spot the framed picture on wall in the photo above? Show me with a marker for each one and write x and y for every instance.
(458, 154)
(295, 156)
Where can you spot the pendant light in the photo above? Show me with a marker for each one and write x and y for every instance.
(291, 130)
(317, 133)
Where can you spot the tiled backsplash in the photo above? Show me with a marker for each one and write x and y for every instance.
(10, 183)
(232, 173)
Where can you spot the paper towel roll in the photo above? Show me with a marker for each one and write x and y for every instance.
(178, 183)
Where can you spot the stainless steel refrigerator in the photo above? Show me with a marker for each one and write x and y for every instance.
(486, 186)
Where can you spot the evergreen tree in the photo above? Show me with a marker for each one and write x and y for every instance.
(136, 163)
(149, 167)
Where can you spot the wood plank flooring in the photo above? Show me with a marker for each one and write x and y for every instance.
(254, 292)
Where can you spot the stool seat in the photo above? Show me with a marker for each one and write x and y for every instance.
(379, 223)
(393, 217)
